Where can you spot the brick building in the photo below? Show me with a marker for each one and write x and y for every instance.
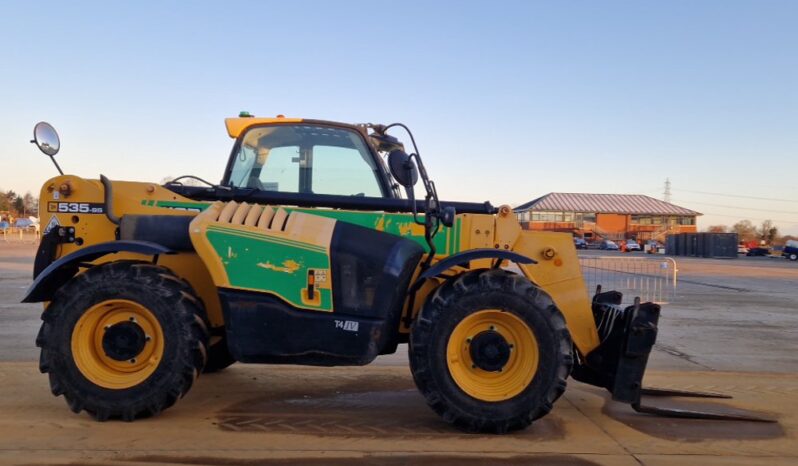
(606, 216)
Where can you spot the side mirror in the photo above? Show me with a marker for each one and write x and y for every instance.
(402, 168)
(46, 138)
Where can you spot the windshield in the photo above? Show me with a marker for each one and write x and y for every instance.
(306, 159)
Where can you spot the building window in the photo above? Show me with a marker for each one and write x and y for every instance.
(589, 217)
(687, 221)
(548, 216)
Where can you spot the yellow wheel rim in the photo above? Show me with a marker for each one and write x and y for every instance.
(494, 385)
(90, 356)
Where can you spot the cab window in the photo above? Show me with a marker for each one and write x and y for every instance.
(306, 159)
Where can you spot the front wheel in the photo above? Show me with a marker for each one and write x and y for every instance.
(490, 352)
(123, 340)
(793, 257)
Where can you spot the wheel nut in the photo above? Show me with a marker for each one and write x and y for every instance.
(148, 338)
(133, 361)
(132, 319)
(492, 327)
(468, 340)
(473, 366)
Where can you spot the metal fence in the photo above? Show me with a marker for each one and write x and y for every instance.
(19, 235)
(651, 278)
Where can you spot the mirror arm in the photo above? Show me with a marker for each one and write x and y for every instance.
(57, 167)
(430, 229)
(411, 196)
(432, 211)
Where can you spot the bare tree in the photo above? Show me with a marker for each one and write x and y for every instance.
(768, 231)
(7, 200)
(718, 229)
(19, 205)
(29, 204)
(746, 231)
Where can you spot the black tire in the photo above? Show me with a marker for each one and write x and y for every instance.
(467, 294)
(219, 357)
(793, 257)
(178, 312)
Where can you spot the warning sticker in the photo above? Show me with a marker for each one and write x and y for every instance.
(51, 224)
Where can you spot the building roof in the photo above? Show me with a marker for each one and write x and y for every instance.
(635, 204)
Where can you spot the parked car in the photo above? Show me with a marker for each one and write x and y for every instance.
(742, 249)
(791, 250)
(29, 224)
(23, 223)
(758, 252)
(632, 245)
(609, 245)
(580, 243)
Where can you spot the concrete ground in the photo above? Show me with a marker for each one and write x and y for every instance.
(731, 328)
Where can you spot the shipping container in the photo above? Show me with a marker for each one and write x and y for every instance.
(710, 245)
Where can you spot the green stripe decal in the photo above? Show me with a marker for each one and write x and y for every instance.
(256, 262)
(198, 206)
(177, 205)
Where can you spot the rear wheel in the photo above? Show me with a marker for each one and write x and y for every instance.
(123, 340)
(490, 352)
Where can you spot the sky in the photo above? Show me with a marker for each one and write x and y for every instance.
(507, 100)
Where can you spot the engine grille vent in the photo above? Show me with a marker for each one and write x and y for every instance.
(254, 215)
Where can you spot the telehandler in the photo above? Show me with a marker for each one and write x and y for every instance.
(307, 253)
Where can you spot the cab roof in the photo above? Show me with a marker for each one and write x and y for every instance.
(236, 126)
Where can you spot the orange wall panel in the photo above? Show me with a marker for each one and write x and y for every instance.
(612, 222)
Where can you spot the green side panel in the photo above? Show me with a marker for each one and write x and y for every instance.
(447, 241)
(274, 265)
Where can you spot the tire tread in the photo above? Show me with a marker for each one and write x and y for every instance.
(442, 301)
(159, 281)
